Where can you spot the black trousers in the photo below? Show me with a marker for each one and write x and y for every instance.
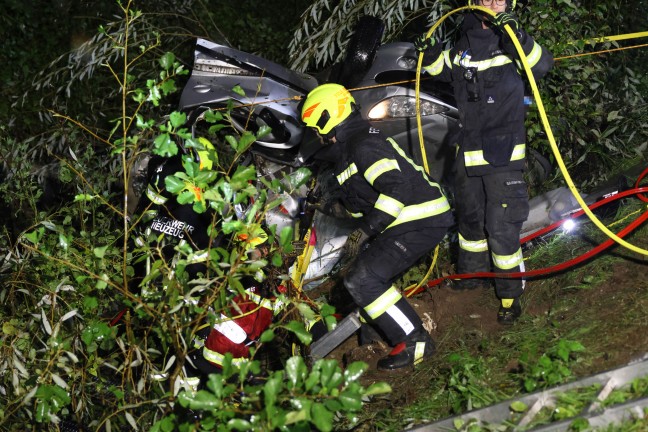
(369, 281)
(490, 211)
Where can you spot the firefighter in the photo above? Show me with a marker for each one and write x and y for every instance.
(491, 198)
(171, 225)
(402, 213)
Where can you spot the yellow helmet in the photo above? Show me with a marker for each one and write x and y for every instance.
(327, 106)
(511, 3)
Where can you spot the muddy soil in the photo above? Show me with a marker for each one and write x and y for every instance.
(612, 314)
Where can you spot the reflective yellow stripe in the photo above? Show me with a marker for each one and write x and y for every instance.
(379, 168)
(218, 358)
(413, 164)
(482, 65)
(389, 205)
(379, 306)
(535, 55)
(476, 158)
(437, 66)
(519, 152)
(419, 350)
(473, 245)
(347, 173)
(422, 211)
(276, 306)
(154, 196)
(507, 262)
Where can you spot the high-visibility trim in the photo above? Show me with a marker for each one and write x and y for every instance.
(419, 350)
(230, 329)
(154, 196)
(422, 211)
(379, 168)
(535, 55)
(347, 173)
(382, 303)
(476, 157)
(482, 65)
(275, 306)
(218, 358)
(473, 245)
(356, 215)
(508, 262)
(437, 66)
(413, 164)
(389, 205)
(400, 318)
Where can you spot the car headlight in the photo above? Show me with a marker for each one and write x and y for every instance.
(403, 106)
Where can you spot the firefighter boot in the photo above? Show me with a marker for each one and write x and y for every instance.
(419, 344)
(509, 311)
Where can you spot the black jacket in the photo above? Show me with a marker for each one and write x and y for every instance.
(489, 90)
(381, 184)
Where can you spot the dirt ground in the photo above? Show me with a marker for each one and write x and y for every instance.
(613, 337)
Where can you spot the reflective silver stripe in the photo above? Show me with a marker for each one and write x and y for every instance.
(154, 196)
(476, 158)
(473, 245)
(400, 318)
(437, 66)
(379, 306)
(230, 329)
(218, 358)
(389, 205)
(419, 350)
(422, 211)
(508, 262)
(379, 168)
(347, 173)
(414, 165)
(482, 65)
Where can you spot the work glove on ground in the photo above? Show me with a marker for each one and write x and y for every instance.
(429, 46)
(355, 242)
(500, 21)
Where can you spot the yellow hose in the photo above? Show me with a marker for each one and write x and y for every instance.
(543, 116)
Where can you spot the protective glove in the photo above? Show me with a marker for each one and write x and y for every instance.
(330, 208)
(423, 42)
(429, 46)
(502, 19)
(355, 242)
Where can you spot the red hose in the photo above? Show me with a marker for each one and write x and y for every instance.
(553, 269)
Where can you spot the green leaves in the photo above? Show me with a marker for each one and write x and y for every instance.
(51, 399)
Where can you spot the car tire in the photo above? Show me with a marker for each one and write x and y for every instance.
(361, 50)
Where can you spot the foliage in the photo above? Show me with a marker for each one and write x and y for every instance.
(552, 368)
(323, 33)
(468, 385)
(294, 399)
(84, 345)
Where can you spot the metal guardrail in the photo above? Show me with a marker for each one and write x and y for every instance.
(594, 413)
